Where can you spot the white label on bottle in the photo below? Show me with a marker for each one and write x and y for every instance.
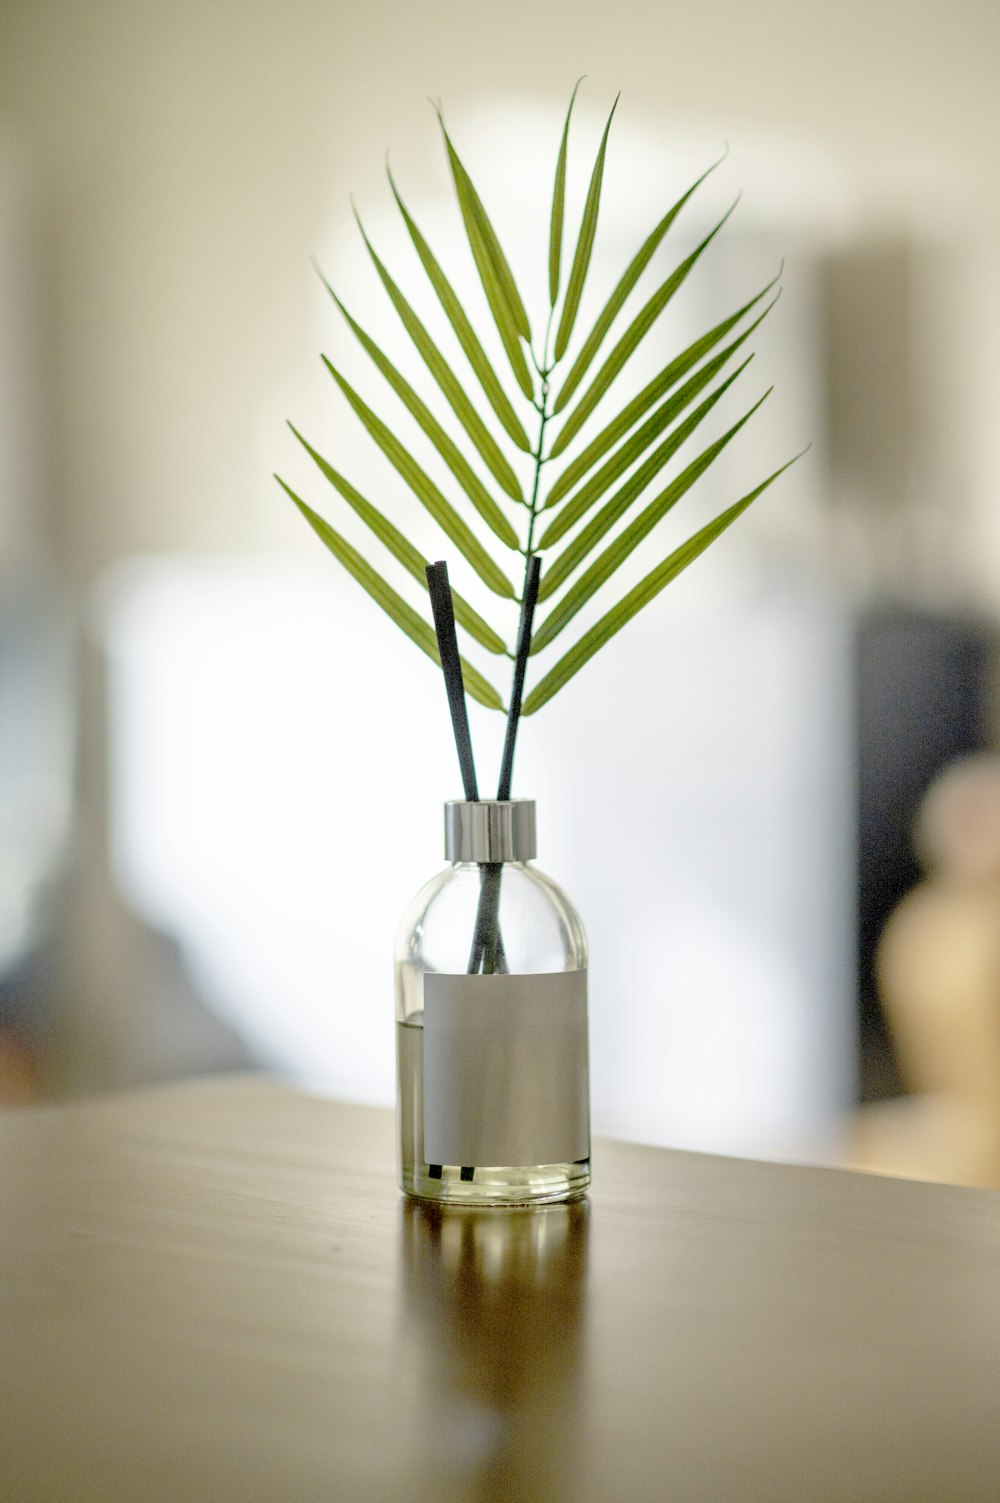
(505, 1069)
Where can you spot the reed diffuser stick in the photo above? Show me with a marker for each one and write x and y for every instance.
(529, 600)
(487, 942)
(443, 610)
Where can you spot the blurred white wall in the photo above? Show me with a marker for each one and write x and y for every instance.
(280, 761)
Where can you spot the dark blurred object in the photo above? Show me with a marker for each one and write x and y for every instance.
(869, 340)
(924, 699)
(900, 487)
(36, 807)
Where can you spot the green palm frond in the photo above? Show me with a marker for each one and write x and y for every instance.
(423, 487)
(449, 451)
(613, 510)
(489, 449)
(584, 245)
(401, 548)
(649, 395)
(605, 492)
(630, 342)
(493, 268)
(618, 298)
(646, 590)
(616, 554)
(405, 617)
(464, 332)
(559, 205)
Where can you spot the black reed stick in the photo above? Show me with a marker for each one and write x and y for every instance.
(488, 951)
(443, 610)
(529, 600)
(487, 942)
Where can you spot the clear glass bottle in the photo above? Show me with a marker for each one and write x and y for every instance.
(491, 1022)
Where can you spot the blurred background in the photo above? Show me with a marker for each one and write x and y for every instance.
(221, 768)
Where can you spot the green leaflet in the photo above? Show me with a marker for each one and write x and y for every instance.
(401, 548)
(617, 299)
(445, 378)
(584, 244)
(452, 456)
(630, 341)
(494, 271)
(612, 469)
(472, 205)
(405, 617)
(652, 393)
(646, 590)
(618, 551)
(559, 205)
(609, 514)
(464, 332)
(424, 488)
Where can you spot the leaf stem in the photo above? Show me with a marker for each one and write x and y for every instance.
(529, 595)
(539, 461)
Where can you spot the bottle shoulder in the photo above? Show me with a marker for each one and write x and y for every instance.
(531, 903)
(518, 876)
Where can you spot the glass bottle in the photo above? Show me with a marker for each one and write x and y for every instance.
(491, 1022)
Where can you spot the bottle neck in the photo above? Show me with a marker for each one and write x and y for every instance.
(489, 832)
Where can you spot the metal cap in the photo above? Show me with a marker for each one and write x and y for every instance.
(490, 830)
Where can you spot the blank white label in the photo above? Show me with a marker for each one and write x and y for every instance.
(505, 1069)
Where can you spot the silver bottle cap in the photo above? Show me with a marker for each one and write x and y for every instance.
(490, 830)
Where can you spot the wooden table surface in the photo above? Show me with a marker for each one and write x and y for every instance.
(214, 1293)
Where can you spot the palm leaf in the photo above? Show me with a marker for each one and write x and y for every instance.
(618, 471)
(646, 590)
(464, 332)
(452, 456)
(424, 488)
(612, 469)
(584, 245)
(630, 341)
(610, 513)
(559, 205)
(617, 300)
(445, 378)
(401, 548)
(405, 617)
(494, 272)
(651, 394)
(617, 552)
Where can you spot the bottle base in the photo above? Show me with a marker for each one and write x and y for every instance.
(547, 1184)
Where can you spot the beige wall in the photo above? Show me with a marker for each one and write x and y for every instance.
(185, 156)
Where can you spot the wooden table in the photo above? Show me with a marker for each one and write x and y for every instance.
(214, 1294)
